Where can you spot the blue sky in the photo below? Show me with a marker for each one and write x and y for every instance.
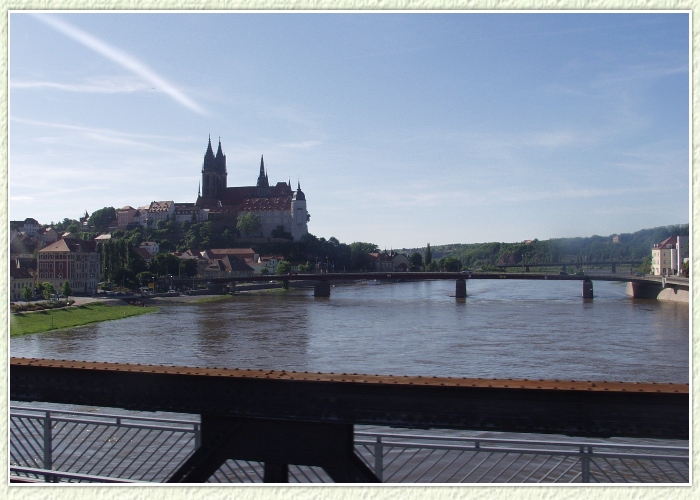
(402, 128)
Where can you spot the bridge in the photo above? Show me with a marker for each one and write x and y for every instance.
(305, 418)
(577, 264)
(643, 286)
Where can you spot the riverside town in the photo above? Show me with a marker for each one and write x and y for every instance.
(262, 229)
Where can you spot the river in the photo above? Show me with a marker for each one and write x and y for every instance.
(504, 329)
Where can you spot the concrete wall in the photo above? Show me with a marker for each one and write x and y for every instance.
(656, 291)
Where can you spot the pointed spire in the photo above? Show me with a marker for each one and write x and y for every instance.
(298, 185)
(210, 152)
(219, 153)
(262, 176)
(199, 189)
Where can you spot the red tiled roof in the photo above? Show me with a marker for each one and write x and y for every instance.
(144, 253)
(238, 252)
(266, 204)
(19, 273)
(669, 242)
(242, 198)
(70, 245)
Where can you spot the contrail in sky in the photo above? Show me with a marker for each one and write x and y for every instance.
(123, 59)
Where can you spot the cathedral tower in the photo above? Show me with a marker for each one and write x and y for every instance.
(263, 184)
(213, 173)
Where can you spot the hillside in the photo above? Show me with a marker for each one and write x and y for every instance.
(631, 246)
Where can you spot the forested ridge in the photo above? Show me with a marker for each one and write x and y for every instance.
(631, 246)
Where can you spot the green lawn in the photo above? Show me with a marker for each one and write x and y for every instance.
(54, 319)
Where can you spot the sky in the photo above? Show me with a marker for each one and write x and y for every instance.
(401, 128)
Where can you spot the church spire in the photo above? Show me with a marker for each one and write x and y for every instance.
(209, 155)
(262, 176)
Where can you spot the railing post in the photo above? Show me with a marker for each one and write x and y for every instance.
(197, 435)
(379, 458)
(48, 458)
(585, 464)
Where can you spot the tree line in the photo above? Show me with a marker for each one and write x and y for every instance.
(558, 251)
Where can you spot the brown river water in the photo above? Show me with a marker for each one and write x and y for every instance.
(504, 329)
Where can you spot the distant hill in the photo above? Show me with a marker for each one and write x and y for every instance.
(631, 246)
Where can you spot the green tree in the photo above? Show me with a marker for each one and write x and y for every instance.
(206, 234)
(279, 232)
(359, 254)
(27, 293)
(283, 267)
(188, 267)
(248, 223)
(428, 255)
(102, 217)
(450, 264)
(48, 290)
(164, 263)
(416, 261)
(144, 278)
(66, 289)
(62, 227)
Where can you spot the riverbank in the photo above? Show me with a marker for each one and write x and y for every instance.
(70, 317)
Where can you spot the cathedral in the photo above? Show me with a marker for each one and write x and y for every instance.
(276, 205)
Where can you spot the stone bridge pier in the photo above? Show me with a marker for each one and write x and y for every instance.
(322, 289)
(587, 289)
(461, 289)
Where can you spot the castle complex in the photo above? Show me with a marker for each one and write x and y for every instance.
(276, 206)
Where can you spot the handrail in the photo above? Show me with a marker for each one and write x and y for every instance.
(381, 450)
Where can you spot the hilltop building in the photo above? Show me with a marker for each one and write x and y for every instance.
(29, 226)
(276, 206)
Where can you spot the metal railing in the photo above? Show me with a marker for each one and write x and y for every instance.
(60, 446)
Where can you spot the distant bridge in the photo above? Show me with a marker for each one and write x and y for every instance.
(563, 265)
(322, 281)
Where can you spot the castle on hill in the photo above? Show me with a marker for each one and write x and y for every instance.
(276, 206)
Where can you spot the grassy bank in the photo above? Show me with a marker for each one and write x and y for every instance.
(44, 321)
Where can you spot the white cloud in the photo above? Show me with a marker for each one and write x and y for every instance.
(639, 73)
(123, 59)
(301, 145)
(105, 135)
(97, 85)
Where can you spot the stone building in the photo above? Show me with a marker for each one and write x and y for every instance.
(667, 257)
(278, 206)
(71, 259)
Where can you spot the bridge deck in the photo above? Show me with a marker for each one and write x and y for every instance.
(282, 418)
(419, 276)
